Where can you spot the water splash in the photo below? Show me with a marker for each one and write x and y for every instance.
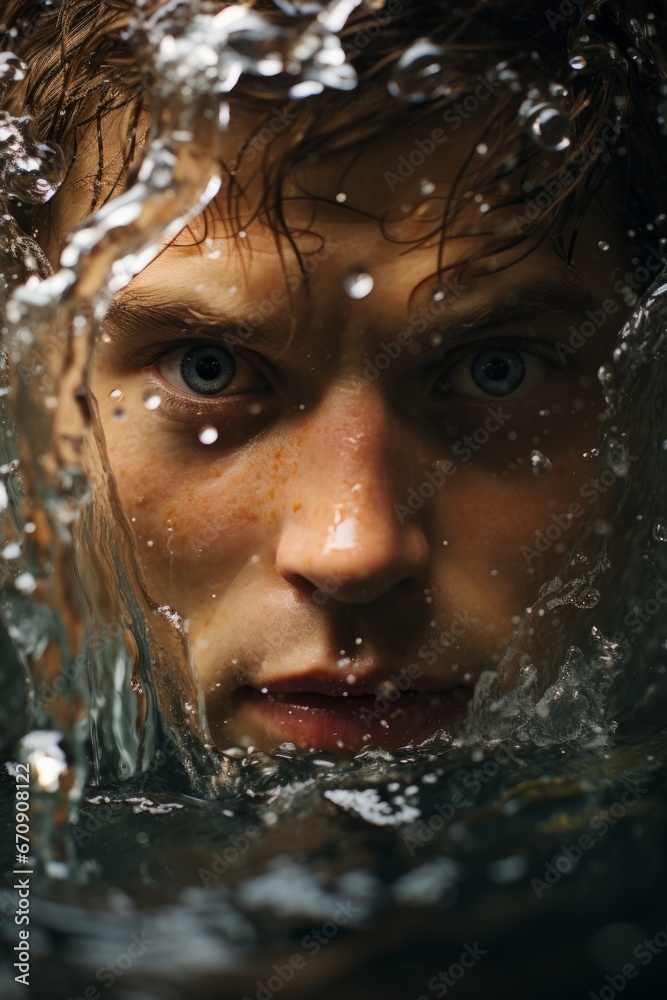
(605, 681)
(197, 59)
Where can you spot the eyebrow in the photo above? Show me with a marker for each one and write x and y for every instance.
(140, 318)
(538, 299)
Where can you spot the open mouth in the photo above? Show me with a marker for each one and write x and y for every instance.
(346, 724)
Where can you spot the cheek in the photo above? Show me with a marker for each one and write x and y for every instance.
(197, 515)
(491, 520)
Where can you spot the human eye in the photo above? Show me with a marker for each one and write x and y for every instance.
(502, 370)
(207, 370)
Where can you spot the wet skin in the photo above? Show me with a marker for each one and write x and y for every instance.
(356, 526)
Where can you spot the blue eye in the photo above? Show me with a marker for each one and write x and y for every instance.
(210, 370)
(498, 370)
(207, 370)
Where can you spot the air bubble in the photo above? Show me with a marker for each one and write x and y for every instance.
(358, 284)
(426, 186)
(152, 401)
(603, 245)
(577, 62)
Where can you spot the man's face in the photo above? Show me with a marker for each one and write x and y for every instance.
(350, 497)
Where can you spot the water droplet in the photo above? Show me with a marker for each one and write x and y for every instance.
(603, 245)
(506, 74)
(589, 597)
(616, 457)
(550, 129)
(482, 148)
(540, 464)
(659, 530)
(152, 401)
(306, 88)
(577, 62)
(426, 186)
(33, 170)
(341, 197)
(423, 73)
(12, 69)
(26, 583)
(207, 434)
(358, 284)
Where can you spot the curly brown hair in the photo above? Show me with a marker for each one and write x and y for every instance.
(599, 61)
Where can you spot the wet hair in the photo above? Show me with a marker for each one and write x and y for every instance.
(585, 75)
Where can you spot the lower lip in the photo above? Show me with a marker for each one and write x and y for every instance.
(316, 721)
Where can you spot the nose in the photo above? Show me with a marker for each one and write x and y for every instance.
(342, 536)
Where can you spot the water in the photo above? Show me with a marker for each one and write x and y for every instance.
(165, 867)
(302, 852)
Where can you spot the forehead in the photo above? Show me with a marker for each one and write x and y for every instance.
(377, 177)
(377, 207)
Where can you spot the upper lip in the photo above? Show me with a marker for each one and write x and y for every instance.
(370, 681)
